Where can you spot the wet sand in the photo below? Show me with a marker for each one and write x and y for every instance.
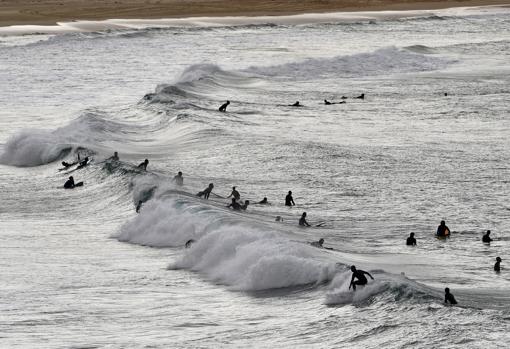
(48, 12)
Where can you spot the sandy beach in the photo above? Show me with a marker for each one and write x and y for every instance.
(48, 12)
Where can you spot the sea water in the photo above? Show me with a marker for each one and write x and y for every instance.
(429, 142)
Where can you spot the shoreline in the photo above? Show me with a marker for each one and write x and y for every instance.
(50, 12)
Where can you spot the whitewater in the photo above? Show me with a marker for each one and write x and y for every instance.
(429, 142)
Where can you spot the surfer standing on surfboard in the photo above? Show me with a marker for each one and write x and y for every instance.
(442, 230)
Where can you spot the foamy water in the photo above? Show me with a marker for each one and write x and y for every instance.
(80, 268)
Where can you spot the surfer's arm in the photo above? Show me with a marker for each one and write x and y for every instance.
(369, 275)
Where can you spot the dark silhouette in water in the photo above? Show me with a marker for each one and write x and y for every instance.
(318, 243)
(360, 275)
(224, 106)
(295, 104)
(289, 201)
(188, 243)
(448, 297)
(245, 205)
(69, 184)
(83, 163)
(361, 96)
(139, 206)
(115, 156)
(327, 102)
(178, 179)
(486, 238)
(206, 192)
(264, 201)
(144, 164)
(411, 241)
(442, 230)
(235, 205)
(235, 194)
(302, 220)
(497, 266)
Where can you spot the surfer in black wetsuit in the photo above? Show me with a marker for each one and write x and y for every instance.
(497, 266)
(264, 201)
(235, 205)
(235, 194)
(448, 297)
(295, 104)
(327, 102)
(486, 238)
(245, 205)
(144, 164)
(318, 243)
(206, 192)
(224, 106)
(188, 243)
(69, 184)
(360, 275)
(178, 179)
(302, 220)
(411, 241)
(115, 157)
(289, 201)
(361, 96)
(443, 230)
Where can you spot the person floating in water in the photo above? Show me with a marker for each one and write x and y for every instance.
(69, 184)
(442, 230)
(318, 243)
(295, 104)
(178, 179)
(115, 157)
(235, 194)
(411, 241)
(497, 266)
(139, 206)
(189, 243)
(360, 275)
(206, 192)
(302, 220)
(264, 201)
(361, 96)
(448, 297)
(327, 102)
(245, 205)
(144, 164)
(289, 201)
(224, 106)
(486, 238)
(235, 205)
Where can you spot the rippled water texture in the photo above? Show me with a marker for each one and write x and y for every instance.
(429, 142)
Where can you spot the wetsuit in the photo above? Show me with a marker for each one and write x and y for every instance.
(497, 267)
(289, 201)
(441, 230)
(360, 275)
(448, 297)
(69, 184)
(486, 239)
(235, 205)
(411, 241)
(303, 222)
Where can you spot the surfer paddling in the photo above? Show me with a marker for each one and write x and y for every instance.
(360, 275)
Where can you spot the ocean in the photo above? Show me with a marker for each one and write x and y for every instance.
(430, 141)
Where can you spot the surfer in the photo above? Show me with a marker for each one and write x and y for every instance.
(188, 243)
(67, 164)
(264, 201)
(223, 107)
(411, 241)
(178, 179)
(442, 230)
(206, 192)
(317, 243)
(327, 102)
(302, 220)
(245, 205)
(448, 297)
(496, 266)
(69, 184)
(115, 157)
(235, 194)
(486, 238)
(360, 275)
(361, 96)
(235, 205)
(144, 164)
(295, 104)
(139, 206)
(289, 201)
(83, 163)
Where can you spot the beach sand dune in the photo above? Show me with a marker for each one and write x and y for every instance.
(13, 12)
